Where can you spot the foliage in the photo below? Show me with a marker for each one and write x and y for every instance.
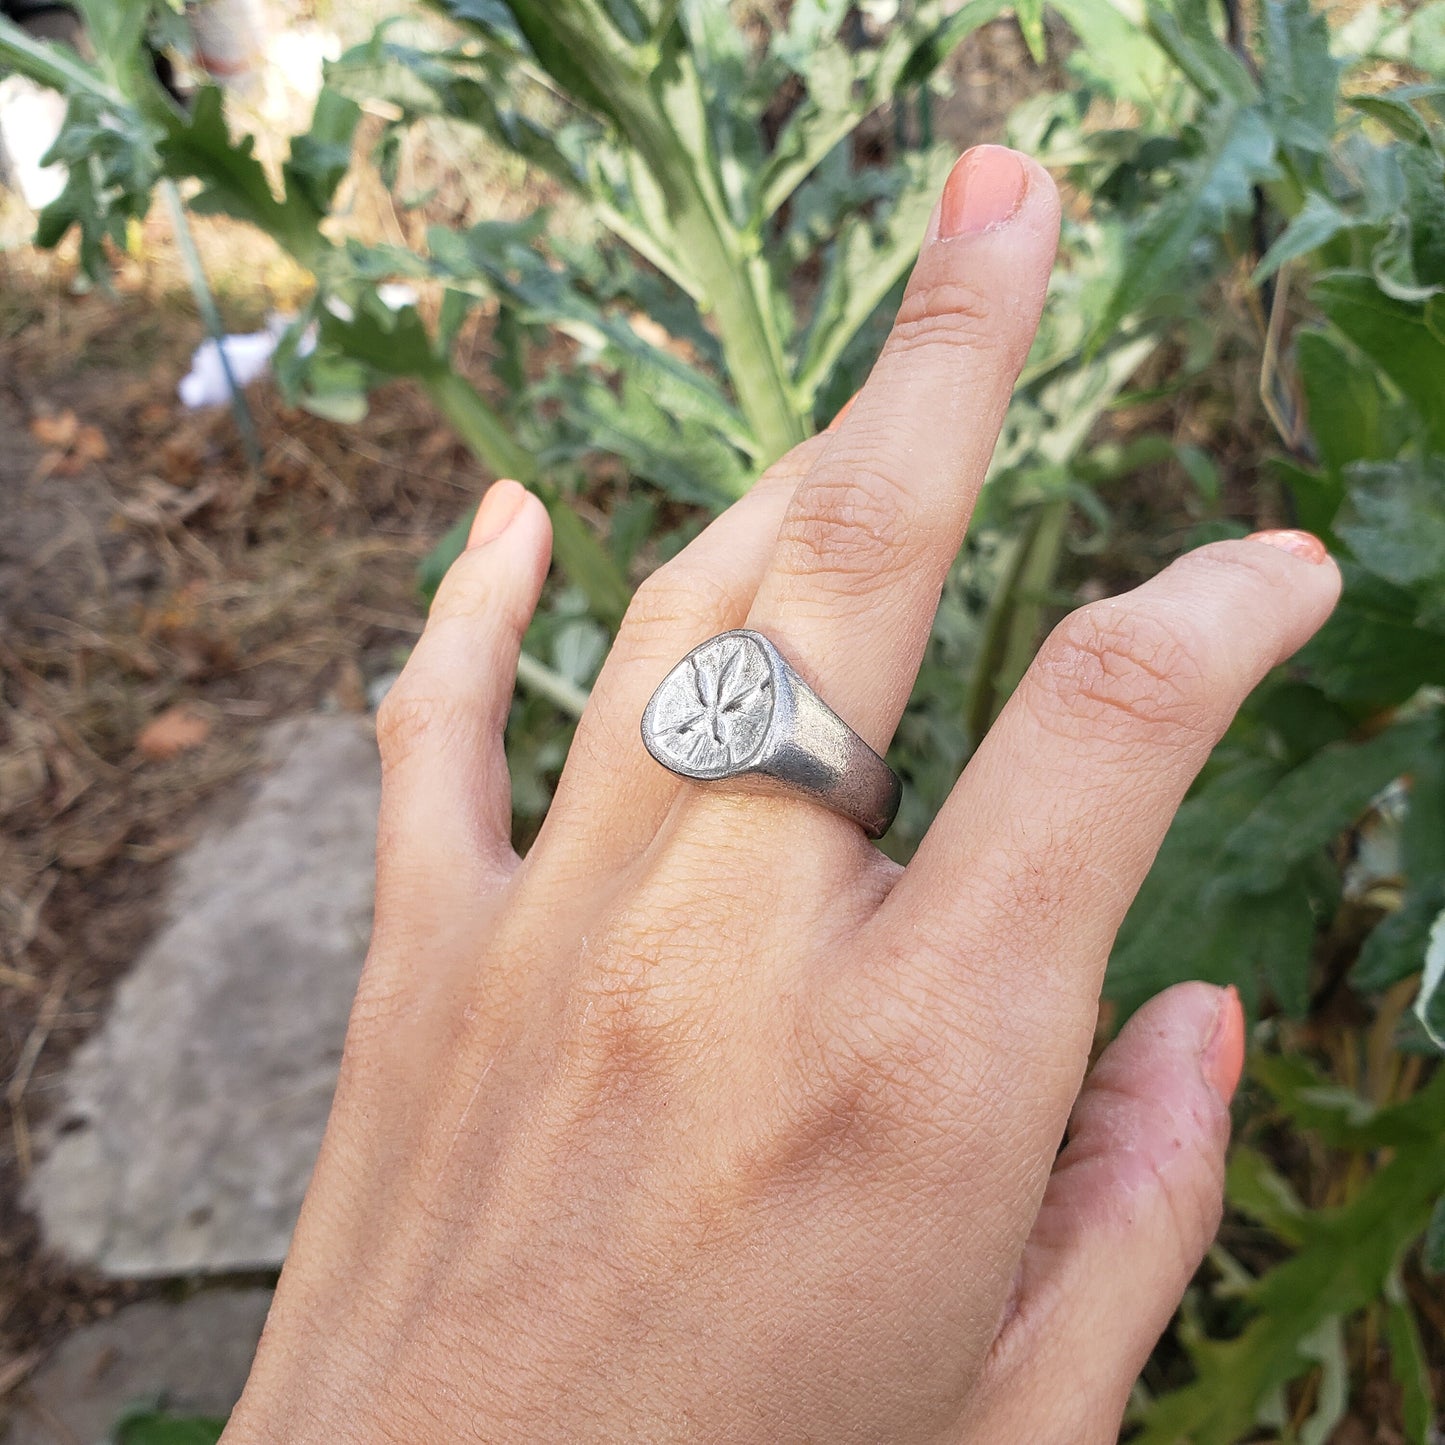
(147, 1426)
(747, 257)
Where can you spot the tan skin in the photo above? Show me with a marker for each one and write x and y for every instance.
(707, 1122)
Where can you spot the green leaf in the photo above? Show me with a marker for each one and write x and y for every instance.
(1394, 523)
(1313, 803)
(233, 182)
(863, 265)
(1408, 1363)
(1397, 115)
(1345, 403)
(1396, 946)
(1337, 1114)
(1207, 193)
(1432, 1257)
(582, 557)
(435, 564)
(1427, 38)
(1187, 35)
(152, 1427)
(1168, 934)
(321, 157)
(1030, 16)
(1398, 336)
(1256, 1188)
(1373, 650)
(1344, 1263)
(1430, 1003)
(1300, 80)
(1318, 221)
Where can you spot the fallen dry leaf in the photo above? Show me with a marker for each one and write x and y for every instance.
(177, 730)
(56, 429)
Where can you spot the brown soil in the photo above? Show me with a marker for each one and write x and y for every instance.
(144, 567)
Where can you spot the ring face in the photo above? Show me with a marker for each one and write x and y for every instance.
(735, 713)
(710, 715)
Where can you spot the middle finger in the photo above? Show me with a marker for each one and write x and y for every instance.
(870, 533)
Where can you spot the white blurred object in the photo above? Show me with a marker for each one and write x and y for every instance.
(296, 59)
(30, 119)
(249, 355)
(396, 295)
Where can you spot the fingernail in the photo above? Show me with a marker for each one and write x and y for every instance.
(1222, 1058)
(500, 504)
(1297, 544)
(985, 188)
(842, 412)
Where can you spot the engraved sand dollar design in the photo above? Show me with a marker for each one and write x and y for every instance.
(712, 711)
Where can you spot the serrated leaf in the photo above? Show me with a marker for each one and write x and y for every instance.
(1344, 1263)
(1313, 803)
(1208, 192)
(233, 182)
(1186, 33)
(321, 156)
(1168, 934)
(1300, 79)
(863, 265)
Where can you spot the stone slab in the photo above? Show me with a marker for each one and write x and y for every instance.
(189, 1122)
(191, 1357)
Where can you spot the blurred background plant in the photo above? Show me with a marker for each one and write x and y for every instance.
(1255, 224)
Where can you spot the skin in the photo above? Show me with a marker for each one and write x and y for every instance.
(705, 1121)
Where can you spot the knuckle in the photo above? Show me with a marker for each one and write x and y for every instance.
(1126, 675)
(414, 717)
(470, 592)
(951, 313)
(855, 525)
(673, 597)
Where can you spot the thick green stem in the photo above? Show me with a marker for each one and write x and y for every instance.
(737, 287)
(649, 99)
(480, 427)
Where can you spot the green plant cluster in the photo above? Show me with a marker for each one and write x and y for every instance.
(750, 251)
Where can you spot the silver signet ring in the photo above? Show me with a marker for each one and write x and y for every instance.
(733, 711)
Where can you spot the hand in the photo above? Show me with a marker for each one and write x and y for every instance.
(707, 1122)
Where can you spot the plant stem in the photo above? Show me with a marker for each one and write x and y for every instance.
(738, 290)
(480, 427)
(211, 318)
(537, 677)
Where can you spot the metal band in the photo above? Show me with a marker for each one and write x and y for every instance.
(734, 711)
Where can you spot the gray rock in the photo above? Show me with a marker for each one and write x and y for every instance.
(191, 1357)
(189, 1123)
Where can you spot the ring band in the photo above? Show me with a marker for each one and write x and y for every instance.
(734, 711)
